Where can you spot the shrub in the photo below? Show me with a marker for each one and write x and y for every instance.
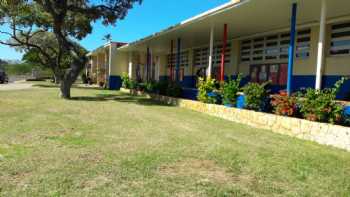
(284, 105)
(84, 78)
(101, 84)
(174, 89)
(151, 86)
(163, 87)
(230, 91)
(256, 96)
(125, 80)
(20, 68)
(205, 88)
(132, 84)
(321, 105)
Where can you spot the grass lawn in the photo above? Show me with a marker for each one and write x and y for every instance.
(107, 143)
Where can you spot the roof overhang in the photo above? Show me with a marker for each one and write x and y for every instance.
(103, 48)
(245, 18)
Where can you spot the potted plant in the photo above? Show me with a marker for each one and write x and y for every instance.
(230, 91)
(256, 96)
(207, 91)
(321, 105)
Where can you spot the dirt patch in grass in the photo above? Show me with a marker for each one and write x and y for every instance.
(95, 182)
(204, 170)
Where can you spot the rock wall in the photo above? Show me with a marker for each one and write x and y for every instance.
(323, 133)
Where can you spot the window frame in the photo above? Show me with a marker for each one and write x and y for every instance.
(335, 36)
(275, 47)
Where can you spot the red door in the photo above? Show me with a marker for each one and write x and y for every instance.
(283, 74)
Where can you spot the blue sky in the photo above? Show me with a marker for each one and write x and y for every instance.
(149, 17)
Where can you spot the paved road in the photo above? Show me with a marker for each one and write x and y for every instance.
(18, 85)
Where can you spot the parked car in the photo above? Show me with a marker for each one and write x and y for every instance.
(3, 77)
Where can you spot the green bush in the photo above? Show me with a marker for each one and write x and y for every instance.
(125, 80)
(141, 87)
(174, 89)
(204, 88)
(19, 69)
(151, 86)
(256, 96)
(163, 87)
(321, 105)
(132, 84)
(230, 91)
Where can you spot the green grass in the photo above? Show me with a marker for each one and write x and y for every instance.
(107, 143)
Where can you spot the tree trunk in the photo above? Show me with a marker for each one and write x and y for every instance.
(65, 89)
(70, 76)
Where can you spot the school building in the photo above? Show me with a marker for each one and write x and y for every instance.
(293, 43)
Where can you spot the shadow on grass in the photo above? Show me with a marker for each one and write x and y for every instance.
(74, 86)
(46, 85)
(120, 98)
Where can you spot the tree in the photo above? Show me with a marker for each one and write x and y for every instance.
(48, 42)
(2, 62)
(107, 38)
(67, 20)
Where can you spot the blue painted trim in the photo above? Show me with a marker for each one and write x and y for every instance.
(189, 93)
(291, 49)
(115, 82)
(178, 60)
(188, 82)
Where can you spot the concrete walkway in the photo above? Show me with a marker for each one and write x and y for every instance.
(18, 85)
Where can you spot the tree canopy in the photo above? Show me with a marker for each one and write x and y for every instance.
(66, 21)
(48, 42)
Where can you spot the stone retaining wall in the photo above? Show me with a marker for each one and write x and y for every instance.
(323, 133)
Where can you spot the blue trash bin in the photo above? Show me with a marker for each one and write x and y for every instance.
(240, 104)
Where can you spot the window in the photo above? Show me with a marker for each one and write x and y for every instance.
(340, 39)
(275, 47)
(183, 59)
(201, 55)
(246, 50)
(303, 44)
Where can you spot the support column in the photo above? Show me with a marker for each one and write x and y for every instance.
(321, 45)
(157, 69)
(92, 65)
(223, 52)
(211, 48)
(89, 68)
(106, 67)
(110, 59)
(291, 49)
(98, 69)
(177, 76)
(171, 60)
(148, 64)
(130, 65)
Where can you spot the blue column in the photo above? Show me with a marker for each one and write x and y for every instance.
(148, 63)
(291, 49)
(177, 77)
